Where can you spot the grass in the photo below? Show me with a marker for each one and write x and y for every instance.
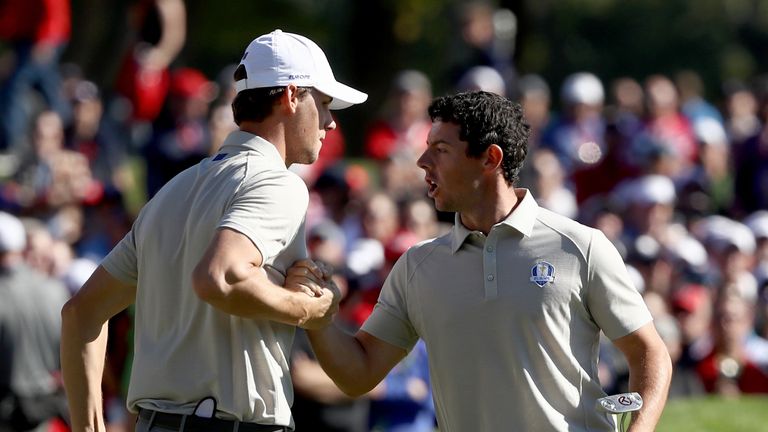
(715, 414)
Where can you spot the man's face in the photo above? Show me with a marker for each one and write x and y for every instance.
(453, 178)
(312, 120)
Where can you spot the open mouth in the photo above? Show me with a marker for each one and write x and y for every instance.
(431, 187)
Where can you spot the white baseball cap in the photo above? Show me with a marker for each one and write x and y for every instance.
(13, 237)
(582, 88)
(278, 59)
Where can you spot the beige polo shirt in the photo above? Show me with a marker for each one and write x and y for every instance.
(512, 320)
(185, 348)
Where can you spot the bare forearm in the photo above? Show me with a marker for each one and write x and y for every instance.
(344, 359)
(248, 292)
(311, 380)
(174, 27)
(82, 363)
(650, 377)
(267, 301)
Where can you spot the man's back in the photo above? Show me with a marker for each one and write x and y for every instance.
(30, 316)
(30, 323)
(185, 347)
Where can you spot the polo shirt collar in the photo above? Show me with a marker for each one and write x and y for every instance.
(244, 141)
(521, 219)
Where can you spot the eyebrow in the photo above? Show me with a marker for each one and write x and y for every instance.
(440, 141)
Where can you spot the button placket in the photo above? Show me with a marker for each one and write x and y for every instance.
(490, 265)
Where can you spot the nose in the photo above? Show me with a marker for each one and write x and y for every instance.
(330, 122)
(422, 161)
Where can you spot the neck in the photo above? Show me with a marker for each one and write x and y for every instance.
(273, 132)
(491, 209)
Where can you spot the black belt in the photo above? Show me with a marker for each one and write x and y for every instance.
(194, 423)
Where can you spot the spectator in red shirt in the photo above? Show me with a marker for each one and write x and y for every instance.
(738, 362)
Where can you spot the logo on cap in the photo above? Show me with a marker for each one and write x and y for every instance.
(542, 273)
(299, 76)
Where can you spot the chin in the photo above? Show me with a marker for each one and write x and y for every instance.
(440, 206)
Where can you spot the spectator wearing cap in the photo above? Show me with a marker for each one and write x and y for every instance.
(758, 223)
(399, 136)
(30, 323)
(623, 123)
(483, 78)
(691, 306)
(648, 205)
(181, 136)
(731, 246)
(578, 136)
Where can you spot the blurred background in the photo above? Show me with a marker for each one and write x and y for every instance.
(649, 122)
(369, 41)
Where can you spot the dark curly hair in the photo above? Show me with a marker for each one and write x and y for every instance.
(486, 118)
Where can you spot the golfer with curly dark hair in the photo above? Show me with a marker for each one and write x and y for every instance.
(510, 303)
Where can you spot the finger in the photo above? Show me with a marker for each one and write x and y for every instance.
(327, 271)
(306, 290)
(304, 273)
(308, 267)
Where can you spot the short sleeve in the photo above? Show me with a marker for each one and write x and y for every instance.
(613, 301)
(389, 320)
(269, 210)
(121, 262)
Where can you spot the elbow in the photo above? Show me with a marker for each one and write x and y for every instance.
(354, 390)
(356, 387)
(69, 313)
(208, 287)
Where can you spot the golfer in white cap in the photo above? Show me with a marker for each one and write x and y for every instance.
(209, 264)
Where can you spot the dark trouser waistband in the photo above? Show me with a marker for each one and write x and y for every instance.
(192, 423)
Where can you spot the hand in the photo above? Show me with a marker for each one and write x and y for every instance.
(323, 308)
(308, 277)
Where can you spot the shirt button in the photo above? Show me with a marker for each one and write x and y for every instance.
(490, 277)
(489, 248)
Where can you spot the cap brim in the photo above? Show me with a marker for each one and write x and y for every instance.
(343, 95)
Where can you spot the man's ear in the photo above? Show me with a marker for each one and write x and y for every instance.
(290, 98)
(493, 157)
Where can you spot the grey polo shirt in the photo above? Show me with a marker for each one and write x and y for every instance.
(186, 349)
(512, 320)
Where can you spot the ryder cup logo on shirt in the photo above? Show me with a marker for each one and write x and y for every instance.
(542, 273)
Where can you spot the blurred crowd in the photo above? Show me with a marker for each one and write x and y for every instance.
(677, 179)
